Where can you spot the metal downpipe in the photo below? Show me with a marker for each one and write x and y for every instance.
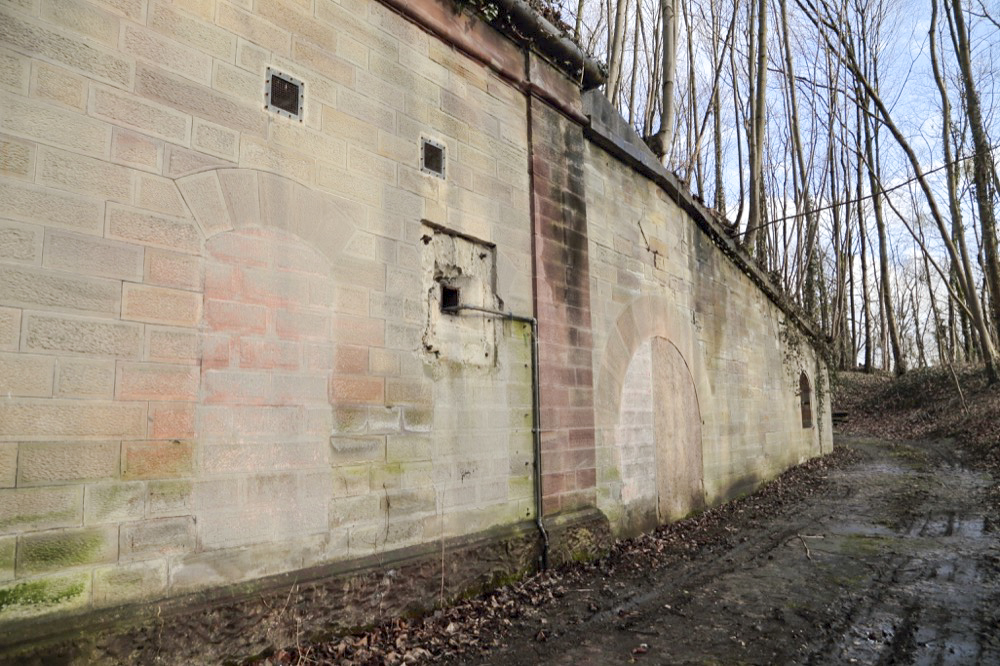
(536, 421)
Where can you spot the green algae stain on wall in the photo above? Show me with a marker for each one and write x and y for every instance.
(42, 595)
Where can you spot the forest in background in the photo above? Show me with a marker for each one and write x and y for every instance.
(848, 144)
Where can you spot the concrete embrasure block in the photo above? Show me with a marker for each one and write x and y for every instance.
(63, 549)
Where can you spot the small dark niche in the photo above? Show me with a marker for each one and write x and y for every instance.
(449, 298)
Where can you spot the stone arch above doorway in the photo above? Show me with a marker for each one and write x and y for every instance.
(222, 200)
(264, 414)
(649, 415)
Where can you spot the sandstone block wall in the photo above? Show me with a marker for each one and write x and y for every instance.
(212, 318)
(223, 354)
(729, 371)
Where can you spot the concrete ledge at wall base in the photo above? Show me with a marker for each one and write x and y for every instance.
(243, 620)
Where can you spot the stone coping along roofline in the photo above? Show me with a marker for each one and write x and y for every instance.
(518, 22)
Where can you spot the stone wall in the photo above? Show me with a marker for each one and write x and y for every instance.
(213, 317)
(224, 357)
(697, 368)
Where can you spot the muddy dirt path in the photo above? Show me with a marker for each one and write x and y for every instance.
(896, 561)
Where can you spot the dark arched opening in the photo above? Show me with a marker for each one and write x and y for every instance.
(805, 399)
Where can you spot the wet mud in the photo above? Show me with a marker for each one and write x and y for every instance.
(896, 560)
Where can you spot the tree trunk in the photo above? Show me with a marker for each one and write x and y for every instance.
(982, 160)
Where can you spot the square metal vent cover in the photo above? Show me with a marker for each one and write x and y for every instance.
(432, 157)
(284, 94)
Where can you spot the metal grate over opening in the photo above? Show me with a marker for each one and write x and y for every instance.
(432, 157)
(284, 94)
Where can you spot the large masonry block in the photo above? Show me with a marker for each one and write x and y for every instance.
(92, 256)
(156, 230)
(30, 203)
(64, 334)
(34, 288)
(157, 459)
(140, 114)
(52, 551)
(33, 419)
(157, 381)
(26, 376)
(53, 126)
(159, 305)
(24, 509)
(46, 463)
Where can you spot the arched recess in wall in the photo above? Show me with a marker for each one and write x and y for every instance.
(806, 400)
(264, 414)
(649, 417)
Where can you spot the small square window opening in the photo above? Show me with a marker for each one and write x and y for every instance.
(432, 157)
(284, 94)
(449, 298)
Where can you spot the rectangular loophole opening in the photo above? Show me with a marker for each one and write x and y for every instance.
(450, 299)
(284, 94)
(432, 157)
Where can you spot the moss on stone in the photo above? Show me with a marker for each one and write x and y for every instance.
(66, 549)
(40, 593)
